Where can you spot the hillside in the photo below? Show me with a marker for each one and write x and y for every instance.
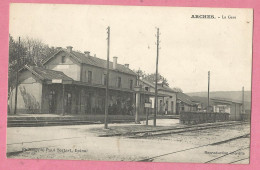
(233, 95)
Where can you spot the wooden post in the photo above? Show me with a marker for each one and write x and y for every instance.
(107, 80)
(138, 99)
(147, 113)
(137, 110)
(133, 105)
(63, 96)
(243, 100)
(208, 89)
(16, 83)
(156, 77)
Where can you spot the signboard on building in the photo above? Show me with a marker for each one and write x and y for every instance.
(147, 105)
(62, 67)
(56, 80)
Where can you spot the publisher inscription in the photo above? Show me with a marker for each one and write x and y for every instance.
(56, 150)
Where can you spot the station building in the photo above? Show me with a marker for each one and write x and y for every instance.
(166, 96)
(71, 82)
(185, 103)
(234, 108)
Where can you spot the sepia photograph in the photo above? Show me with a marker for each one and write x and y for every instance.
(129, 83)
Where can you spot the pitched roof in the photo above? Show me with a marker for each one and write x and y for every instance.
(147, 82)
(81, 58)
(202, 100)
(46, 74)
(226, 100)
(166, 88)
(185, 98)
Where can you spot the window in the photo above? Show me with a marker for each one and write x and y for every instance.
(146, 88)
(63, 59)
(85, 75)
(131, 84)
(172, 106)
(119, 82)
(166, 104)
(146, 99)
(90, 76)
(161, 105)
(105, 79)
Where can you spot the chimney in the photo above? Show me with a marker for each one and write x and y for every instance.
(160, 83)
(127, 65)
(69, 48)
(86, 53)
(114, 62)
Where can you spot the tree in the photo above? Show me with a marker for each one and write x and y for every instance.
(177, 89)
(37, 51)
(140, 73)
(151, 77)
(17, 55)
(160, 78)
(30, 52)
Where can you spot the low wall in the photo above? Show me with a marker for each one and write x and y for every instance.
(202, 117)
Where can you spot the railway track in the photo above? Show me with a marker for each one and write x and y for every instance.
(151, 159)
(151, 133)
(59, 141)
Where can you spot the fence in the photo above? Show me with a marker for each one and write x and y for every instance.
(202, 117)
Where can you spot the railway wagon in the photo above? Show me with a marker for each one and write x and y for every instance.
(202, 117)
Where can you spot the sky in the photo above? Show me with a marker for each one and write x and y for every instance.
(189, 47)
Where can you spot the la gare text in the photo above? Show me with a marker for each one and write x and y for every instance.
(213, 17)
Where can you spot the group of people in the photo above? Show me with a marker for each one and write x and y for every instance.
(119, 109)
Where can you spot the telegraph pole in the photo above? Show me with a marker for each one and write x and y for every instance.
(137, 99)
(16, 83)
(107, 78)
(243, 100)
(156, 77)
(208, 88)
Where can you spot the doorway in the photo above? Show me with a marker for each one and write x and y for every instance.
(52, 101)
(172, 109)
(68, 101)
(88, 103)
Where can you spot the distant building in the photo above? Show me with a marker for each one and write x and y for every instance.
(234, 108)
(199, 105)
(166, 96)
(185, 103)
